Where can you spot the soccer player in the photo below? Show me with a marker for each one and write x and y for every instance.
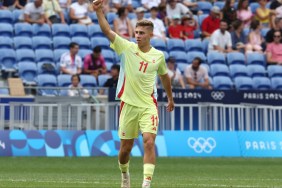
(140, 64)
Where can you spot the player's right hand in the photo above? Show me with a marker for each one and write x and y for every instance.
(97, 5)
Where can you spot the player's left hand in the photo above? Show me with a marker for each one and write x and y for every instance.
(170, 106)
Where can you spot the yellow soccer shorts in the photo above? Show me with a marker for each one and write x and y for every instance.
(133, 118)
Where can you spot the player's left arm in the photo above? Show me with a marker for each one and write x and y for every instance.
(167, 86)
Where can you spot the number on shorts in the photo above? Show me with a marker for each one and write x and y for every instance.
(154, 120)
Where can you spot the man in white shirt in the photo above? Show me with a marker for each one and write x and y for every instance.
(220, 39)
(140, 16)
(175, 8)
(175, 74)
(70, 62)
(123, 3)
(159, 28)
(196, 75)
(34, 12)
(148, 4)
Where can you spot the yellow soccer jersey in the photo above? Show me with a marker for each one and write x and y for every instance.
(138, 71)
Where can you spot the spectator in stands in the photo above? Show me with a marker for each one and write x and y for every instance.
(229, 13)
(211, 23)
(162, 15)
(148, 4)
(76, 89)
(255, 39)
(274, 50)
(277, 27)
(189, 25)
(140, 16)
(70, 62)
(196, 75)
(237, 36)
(159, 29)
(122, 25)
(263, 14)
(65, 4)
(113, 81)
(79, 12)
(175, 74)
(175, 8)
(53, 11)
(9, 4)
(94, 63)
(221, 39)
(34, 12)
(20, 4)
(175, 29)
(192, 5)
(244, 12)
(123, 3)
(275, 4)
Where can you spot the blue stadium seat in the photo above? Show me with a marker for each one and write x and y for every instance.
(58, 53)
(158, 44)
(246, 31)
(42, 70)
(238, 70)
(4, 91)
(109, 66)
(44, 55)
(23, 29)
(262, 83)
(17, 14)
(236, 58)
(6, 16)
(64, 80)
(83, 42)
(41, 43)
(181, 67)
(6, 43)
(264, 31)
(25, 55)
(131, 15)
(256, 58)
(103, 42)
(136, 4)
(93, 17)
(193, 45)
(276, 83)
(83, 52)
(60, 30)
(78, 30)
(205, 45)
(47, 80)
(102, 79)
(201, 19)
(111, 16)
(28, 72)
(256, 71)
(243, 83)
(191, 56)
(216, 58)
(88, 81)
(8, 59)
(61, 42)
(43, 30)
(219, 70)
(254, 6)
(274, 71)
(219, 4)
(175, 45)
(204, 6)
(23, 43)
(6, 30)
(207, 67)
(180, 56)
(109, 56)
(147, 15)
(95, 31)
(166, 55)
(222, 83)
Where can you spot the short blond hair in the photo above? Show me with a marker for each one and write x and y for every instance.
(145, 23)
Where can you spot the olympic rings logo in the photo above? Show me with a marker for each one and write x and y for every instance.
(200, 145)
(217, 95)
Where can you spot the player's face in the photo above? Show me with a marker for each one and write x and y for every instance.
(143, 35)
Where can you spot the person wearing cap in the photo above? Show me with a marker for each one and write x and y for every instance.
(159, 28)
(148, 4)
(189, 25)
(175, 29)
(175, 74)
(175, 8)
(211, 23)
(220, 39)
(139, 16)
(34, 12)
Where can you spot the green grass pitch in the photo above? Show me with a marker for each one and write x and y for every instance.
(103, 172)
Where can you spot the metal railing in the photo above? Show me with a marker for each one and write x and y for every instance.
(105, 116)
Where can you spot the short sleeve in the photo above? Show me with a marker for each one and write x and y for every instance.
(206, 76)
(229, 42)
(184, 9)
(79, 62)
(63, 61)
(27, 9)
(214, 40)
(187, 72)
(120, 45)
(162, 70)
(268, 48)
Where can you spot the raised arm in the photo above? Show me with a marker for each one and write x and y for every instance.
(105, 27)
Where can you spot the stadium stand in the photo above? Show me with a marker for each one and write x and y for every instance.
(28, 72)
(23, 43)
(216, 58)
(261, 83)
(243, 83)
(6, 30)
(61, 42)
(238, 70)
(6, 43)
(222, 83)
(23, 29)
